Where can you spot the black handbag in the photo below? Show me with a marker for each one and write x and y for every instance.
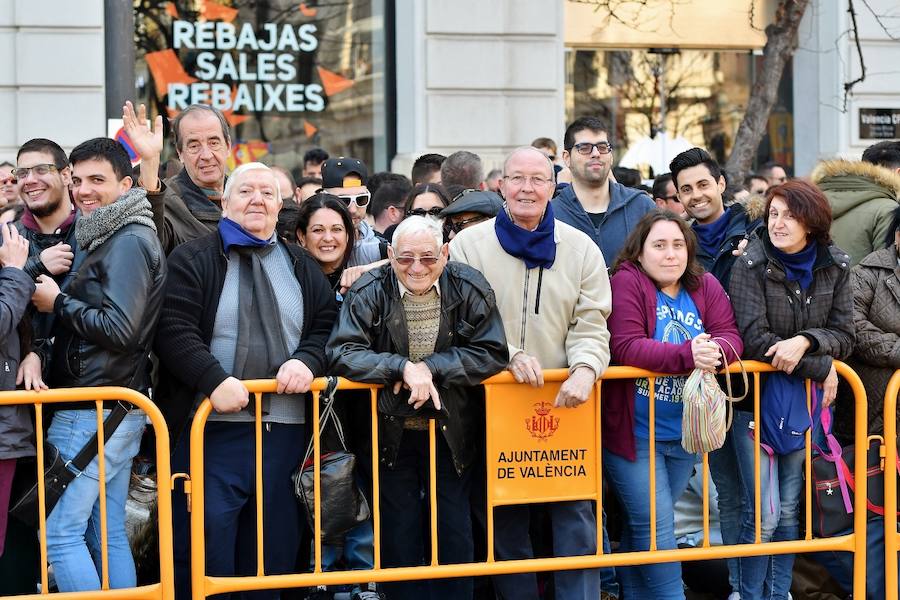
(834, 487)
(343, 504)
(58, 475)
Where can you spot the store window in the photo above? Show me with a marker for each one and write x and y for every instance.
(696, 97)
(289, 76)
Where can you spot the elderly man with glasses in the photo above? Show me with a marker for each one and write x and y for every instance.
(429, 330)
(554, 297)
(595, 204)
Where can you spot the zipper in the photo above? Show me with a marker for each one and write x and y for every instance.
(537, 296)
(524, 309)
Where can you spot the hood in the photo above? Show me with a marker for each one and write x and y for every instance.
(851, 183)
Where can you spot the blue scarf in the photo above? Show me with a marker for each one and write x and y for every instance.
(235, 235)
(799, 265)
(537, 248)
(712, 236)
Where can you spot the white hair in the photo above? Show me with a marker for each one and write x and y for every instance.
(417, 224)
(253, 166)
(522, 149)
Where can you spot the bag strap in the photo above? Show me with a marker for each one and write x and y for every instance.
(730, 397)
(835, 452)
(112, 421)
(327, 415)
(89, 451)
(746, 381)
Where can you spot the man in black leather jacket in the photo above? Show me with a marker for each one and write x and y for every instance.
(103, 328)
(429, 330)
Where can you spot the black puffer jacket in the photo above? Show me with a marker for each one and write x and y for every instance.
(769, 308)
(371, 344)
(106, 318)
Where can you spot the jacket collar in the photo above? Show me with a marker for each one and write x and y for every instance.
(619, 196)
(762, 251)
(886, 258)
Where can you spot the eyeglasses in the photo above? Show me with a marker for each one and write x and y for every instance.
(22, 172)
(434, 211)
(425, 261)
(457, 226)
(536, 181)
(673, 198)
(587, 148)
(361, 199)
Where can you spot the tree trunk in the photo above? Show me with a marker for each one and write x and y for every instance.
(781, 42)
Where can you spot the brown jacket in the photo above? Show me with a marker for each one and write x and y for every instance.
(182, 212)
(769, 308)
(876, 312)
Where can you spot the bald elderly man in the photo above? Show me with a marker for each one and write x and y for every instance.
(241, 304)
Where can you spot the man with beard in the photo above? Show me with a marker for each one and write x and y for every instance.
(43, 177)
(603, 209)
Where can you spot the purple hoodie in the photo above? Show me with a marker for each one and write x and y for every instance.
(632, 325)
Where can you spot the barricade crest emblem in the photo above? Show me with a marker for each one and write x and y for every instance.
(542, 424)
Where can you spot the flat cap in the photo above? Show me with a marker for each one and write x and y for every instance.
(477, 201)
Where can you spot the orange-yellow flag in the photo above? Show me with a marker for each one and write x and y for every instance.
(166, 68)
(332, 82)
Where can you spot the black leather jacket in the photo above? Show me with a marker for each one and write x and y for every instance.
(106, 318)
(370, 344)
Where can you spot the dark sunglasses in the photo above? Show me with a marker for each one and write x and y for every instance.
(421, 212)
(426, 261)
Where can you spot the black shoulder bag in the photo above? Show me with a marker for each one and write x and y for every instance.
(58, 475)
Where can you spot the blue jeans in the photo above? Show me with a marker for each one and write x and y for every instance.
(631, 481)
(73, 528)
(574, 534)
(723, 469)
(781, 482)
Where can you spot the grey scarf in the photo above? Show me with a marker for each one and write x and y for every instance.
(132, 207)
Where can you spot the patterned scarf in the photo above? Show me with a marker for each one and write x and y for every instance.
(93, 230)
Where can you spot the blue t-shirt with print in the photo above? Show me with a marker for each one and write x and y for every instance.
(677, 321)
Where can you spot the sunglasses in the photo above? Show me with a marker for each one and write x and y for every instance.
(431, 212)
(425, 261)
(361, 199)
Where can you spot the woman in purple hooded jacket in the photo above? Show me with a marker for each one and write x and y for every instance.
(666, 315)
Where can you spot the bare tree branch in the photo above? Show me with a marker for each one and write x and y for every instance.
(854, 28)
(879, 21)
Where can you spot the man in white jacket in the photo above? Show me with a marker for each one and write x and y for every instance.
(554, 297)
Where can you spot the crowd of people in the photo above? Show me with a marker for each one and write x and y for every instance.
(183, 287)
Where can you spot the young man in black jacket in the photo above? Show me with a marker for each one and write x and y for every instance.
(241, 304)
(102, 331)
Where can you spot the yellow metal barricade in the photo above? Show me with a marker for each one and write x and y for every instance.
(520, 415)
(164, 590)
(891, 537)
